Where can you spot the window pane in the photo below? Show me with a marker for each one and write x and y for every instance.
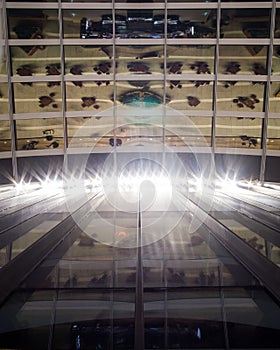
(245, 23)
(4, 101)
(190, 58)
(5, 136)
(189, 95)
(184, 131)
(242, 96)
(273, 134)
(39, 97)
(139, 60)
(274, 101)
(88, 60)
(190, 24)
(39, 63)
(33, 24)
(238, 132)
(242, 59)
(87, 24)
(90, 132)
(39, 133)
(276, 60)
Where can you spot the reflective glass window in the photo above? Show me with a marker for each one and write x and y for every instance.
(185, 131)
(245, 23)
(4, 99)
(90, 96)
(189, 95)
(277, 24)
(45, 133)
(240, 96)
(238, 132)
(140, 60)
(198, 59)
(37, 97)
(190, 326)
(44, 61)
(32, 24)
(190, 23)
(276, 60)
(88, 24)
(5, 136)
(253, 304)
(90, 131)
(273, 134)
(243, 59)
(274, 101)
(85, 59)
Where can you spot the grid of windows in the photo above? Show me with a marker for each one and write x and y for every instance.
(107, 75)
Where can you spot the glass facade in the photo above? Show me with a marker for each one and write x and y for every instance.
(100, 91)
(74, 60)
(83, 281)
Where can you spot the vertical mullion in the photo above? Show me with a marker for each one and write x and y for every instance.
(164, 76)
(267, 93)
(62, 65)
(10, 96)
(215, 83)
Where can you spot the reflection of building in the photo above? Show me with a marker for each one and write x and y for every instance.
(94, 87)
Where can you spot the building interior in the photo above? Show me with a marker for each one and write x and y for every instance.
(139, 175)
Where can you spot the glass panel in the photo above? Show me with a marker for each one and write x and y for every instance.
(5, 136)
(245, 23)
(87, 328)
(32, 24)
(242, 96)
(274, 253)
(274, 101)
(188, 95)
(139, 59)
(142, 121)
(125, 275)
(238, 132)
(277, 24)
(183, 131)
(2, 257)
(153, 271)
(25, 241)
(87, 23)
(192, 326)
(139, 23)
(154, 316)
(46, 61)
(273, 134)
(93, 96)
(30, 315)
(197, 59)
(39, 133)
(190, 24)
(276, 60)
(237, 59)
(89, 132)
(39, 97)
(4, 100)
(88, 60)
(253, 305)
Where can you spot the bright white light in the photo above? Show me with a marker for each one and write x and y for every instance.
(93, 184)
(51, 186)
(227, 185)
(26, 187)
(132, 183)
(195, 184)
